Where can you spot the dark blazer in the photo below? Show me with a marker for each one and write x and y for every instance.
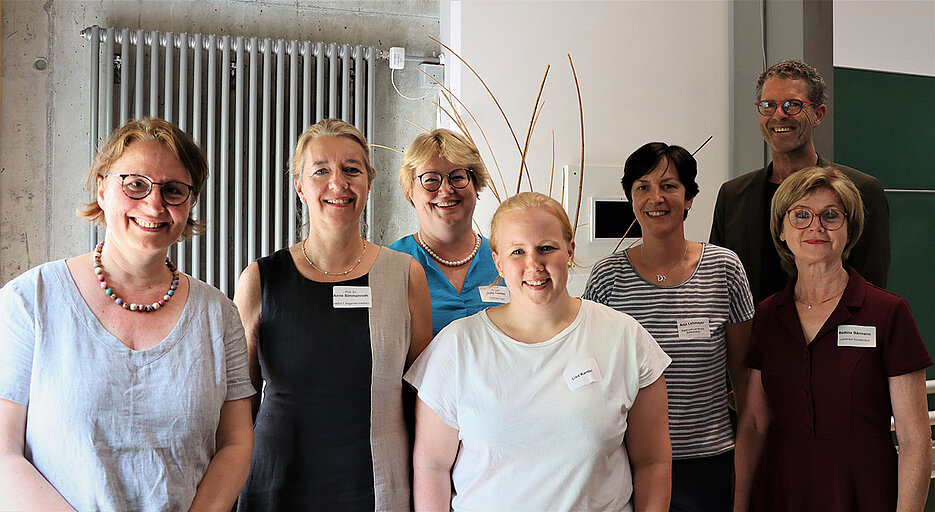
(738, 223)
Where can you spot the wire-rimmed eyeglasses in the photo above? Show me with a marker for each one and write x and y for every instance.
(790, 107)
(830, 218)
(458, 178)
(138, 186)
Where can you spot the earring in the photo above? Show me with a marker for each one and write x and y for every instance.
(500, 273)
(570, 263)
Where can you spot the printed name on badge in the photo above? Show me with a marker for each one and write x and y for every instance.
(861, 336)
(694, 328)
(494, 293)
(352, 297)
(581, 374)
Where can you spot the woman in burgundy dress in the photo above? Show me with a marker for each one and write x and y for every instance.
(832, 358)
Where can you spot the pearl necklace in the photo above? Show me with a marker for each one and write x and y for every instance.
(662, 277)
(346, 272)
(142, 308)
(445, 262)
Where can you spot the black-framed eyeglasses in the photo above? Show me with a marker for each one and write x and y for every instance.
(790, 107)
(458, 178)
(830, 218)
(138, 186)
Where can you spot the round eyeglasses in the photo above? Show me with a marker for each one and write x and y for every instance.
(831, 219)
(137, 186)
(790, 107)
(458, 178)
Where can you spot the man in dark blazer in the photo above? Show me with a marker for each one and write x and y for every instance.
(791, 100)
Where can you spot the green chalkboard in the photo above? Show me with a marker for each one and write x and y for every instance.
(884, 125)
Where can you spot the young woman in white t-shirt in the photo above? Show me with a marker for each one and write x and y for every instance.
(548, 402)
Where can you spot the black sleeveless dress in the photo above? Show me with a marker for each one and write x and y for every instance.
(314, 429)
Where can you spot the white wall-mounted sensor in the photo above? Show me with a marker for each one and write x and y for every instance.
(397, 57)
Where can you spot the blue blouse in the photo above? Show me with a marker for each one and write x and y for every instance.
(447, 304)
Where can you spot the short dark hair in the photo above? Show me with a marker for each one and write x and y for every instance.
(794, 69)
(642, 162)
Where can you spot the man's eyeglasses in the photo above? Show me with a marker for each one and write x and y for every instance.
(458, 178)
(790, 107)
(137, 186)
(831, 219)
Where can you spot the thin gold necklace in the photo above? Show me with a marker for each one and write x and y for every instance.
(810, 306)
(325, 272)
(662, 277)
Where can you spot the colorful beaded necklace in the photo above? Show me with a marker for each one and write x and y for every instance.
(142, 308)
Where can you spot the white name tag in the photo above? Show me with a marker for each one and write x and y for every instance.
(352, 297)
(694, 329)
(862, 336)
(582, 373)
(494, 293)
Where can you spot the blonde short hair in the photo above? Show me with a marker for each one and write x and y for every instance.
(334, 128)
(526, 200)
(451, 146)
(147, 129)
(800, 184)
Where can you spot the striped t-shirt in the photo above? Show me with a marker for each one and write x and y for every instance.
(688, 321)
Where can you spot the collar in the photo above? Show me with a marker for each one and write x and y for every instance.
(853, 298)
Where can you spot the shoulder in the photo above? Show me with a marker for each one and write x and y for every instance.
(394, 258)
(612, 263)
(862, 180)
(406, 244)
(207, 295)
(606, 317)
(715, 254)
(878, 298)
(29, 283)
(743, 182)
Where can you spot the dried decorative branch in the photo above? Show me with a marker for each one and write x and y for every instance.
(580, 176)
(552, 172)
(532, 123)
(505, 118)
(385, 147)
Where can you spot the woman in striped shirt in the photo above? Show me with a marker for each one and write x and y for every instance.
(695, 300)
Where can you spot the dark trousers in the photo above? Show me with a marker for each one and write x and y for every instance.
(703, 484)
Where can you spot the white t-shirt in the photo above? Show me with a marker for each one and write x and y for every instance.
(541, 425)
(109, 427)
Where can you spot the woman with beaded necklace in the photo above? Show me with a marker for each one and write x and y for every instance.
(330, 338)
(123, 383)
(441, 176)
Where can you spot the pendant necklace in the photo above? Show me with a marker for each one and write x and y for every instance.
(809, 306)
(662, 277)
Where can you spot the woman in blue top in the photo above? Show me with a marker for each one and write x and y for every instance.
(441, 176)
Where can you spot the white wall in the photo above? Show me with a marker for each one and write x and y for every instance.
(648, 71)
(885, 35)
(44, 127)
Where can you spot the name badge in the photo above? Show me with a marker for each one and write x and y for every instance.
(694, 329)
(581, 374)
(861, 336)
(352, 297)
(494, 293)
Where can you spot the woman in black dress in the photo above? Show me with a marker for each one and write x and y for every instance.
(329, 337)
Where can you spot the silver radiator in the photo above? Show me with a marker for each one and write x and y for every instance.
(245, 101)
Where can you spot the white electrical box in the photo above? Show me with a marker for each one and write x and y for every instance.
(430, 72)
(397, 57)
